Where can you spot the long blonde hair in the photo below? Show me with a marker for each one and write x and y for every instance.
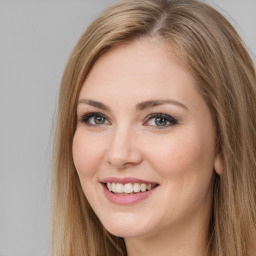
(214, 53)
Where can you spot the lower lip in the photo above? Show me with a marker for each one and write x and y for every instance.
(126, 199)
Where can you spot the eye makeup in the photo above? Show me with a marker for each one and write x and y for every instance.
(94, 119)
(160, 120)
(156, 120)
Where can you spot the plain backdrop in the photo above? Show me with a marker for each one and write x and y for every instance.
(36, 38)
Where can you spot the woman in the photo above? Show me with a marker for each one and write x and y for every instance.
(155, 144)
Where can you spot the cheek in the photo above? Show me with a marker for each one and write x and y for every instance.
(87, 152)
(185, 164)
(183, 153)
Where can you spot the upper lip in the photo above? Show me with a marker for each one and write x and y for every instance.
(126, 180)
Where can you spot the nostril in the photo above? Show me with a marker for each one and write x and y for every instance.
(122, 153)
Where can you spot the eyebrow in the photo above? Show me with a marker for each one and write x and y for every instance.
(140, 106)
(153, 103)
(95, 104)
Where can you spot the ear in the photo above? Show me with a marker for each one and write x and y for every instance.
(218, 164)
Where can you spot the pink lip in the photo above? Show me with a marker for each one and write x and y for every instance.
(126, 180)
(126, 199)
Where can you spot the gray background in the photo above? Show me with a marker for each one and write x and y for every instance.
(36, 38)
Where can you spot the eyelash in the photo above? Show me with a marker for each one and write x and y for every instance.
(172, 121)
(167, 118)
(85, 118)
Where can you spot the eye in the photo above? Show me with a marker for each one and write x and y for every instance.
(94, 119)
(160, 120)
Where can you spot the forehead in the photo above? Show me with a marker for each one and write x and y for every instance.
(142, 68)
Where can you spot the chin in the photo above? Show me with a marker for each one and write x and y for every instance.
(126, 233)
(123, 227)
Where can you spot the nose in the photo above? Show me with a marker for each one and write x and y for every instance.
(124, 149)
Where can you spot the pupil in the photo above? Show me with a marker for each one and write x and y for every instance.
(160, 121)
(99, 120)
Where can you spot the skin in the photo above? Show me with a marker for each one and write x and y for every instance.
(180, 157)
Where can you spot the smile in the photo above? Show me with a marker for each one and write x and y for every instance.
(127, 191)
(129, 188)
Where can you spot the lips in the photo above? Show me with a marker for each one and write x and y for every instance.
(126, 180)
(127, 190)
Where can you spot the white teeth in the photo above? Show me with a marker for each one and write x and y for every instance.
(143, 187)
(128, 188)
(113, 187)
(136, 187)
(119, 188)
(109, 185)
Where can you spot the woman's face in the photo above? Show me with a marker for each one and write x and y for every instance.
(144, 132)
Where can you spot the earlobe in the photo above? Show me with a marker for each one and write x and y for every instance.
(218, 164)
